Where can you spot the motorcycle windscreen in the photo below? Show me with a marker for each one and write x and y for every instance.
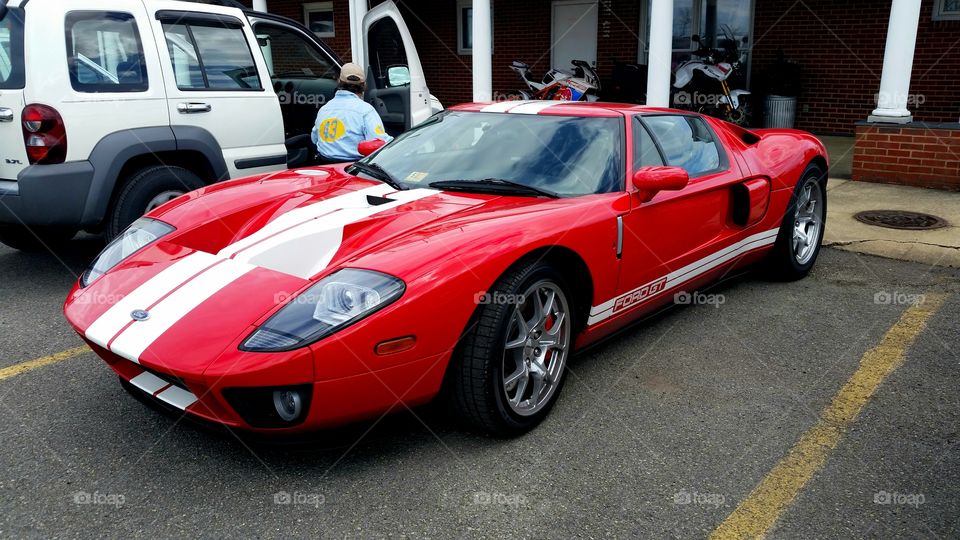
(396, 86)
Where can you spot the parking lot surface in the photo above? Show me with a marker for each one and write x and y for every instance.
(662, 431)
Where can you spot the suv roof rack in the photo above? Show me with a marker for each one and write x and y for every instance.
(224, 3)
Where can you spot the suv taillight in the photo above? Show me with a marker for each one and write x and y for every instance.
(44, 135)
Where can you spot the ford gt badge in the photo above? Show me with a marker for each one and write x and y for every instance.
(139, 314)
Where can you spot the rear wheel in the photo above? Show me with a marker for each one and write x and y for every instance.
(801, 232)
(26, 238)
(512, 361)
(147, 189)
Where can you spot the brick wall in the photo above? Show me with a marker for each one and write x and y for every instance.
(839, 46)
(916, 154)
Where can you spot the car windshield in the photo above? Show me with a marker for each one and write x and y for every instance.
(564, 155)
(11, 50)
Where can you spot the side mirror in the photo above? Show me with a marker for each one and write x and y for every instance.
(398, 76)
(365, 148)
(651, 180)
(695, 38)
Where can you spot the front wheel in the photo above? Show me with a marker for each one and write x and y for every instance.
(511, 363)
(801, 232)
(147, 189)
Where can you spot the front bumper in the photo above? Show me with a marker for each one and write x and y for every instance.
(47, 195)
(333, 402)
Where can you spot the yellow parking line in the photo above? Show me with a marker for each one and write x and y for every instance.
(773, 495)
(30, 365)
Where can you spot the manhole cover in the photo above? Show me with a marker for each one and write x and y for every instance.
(900, 219)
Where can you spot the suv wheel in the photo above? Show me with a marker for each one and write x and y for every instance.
(145, 190)
(35, 238)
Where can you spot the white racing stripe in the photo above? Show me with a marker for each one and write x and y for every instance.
(114, 319)
(131, 343)
(306, 249)
(505, 106)
(677, 277)
(149, 383)
(178, 397)
(533, 108)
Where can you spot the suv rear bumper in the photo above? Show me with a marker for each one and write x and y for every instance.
(47, 195)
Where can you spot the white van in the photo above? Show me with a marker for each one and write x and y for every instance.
(143, 100)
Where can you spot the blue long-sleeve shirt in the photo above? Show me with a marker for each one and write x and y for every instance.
(343, 123)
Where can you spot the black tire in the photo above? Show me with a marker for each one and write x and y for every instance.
(141, 188)
(33, 238)
(475, 381)
(782, 263)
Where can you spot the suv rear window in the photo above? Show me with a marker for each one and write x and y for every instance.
(11, 50)
(104, 52)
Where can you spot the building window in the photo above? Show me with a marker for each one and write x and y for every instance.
(465, 27)
(946, 10)
(318, 17)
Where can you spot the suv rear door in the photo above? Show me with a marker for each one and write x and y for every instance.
(396, 86)
(217, 80)
(13, 154)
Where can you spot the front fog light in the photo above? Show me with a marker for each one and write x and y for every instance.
(288, 404)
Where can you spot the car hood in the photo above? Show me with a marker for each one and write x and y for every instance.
(242, 248)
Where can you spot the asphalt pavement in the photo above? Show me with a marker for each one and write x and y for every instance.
(661, 432)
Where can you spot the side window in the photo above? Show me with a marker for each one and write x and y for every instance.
(291, 56)
(687, 142)
(210, 55)
(645, 153)
(104, 52)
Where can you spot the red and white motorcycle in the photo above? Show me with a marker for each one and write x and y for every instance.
(581, 85)
(716, 64)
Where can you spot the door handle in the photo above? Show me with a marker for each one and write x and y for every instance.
(193, 108)
(6, 115)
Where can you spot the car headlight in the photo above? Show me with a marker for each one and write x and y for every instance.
(137, 236)
(333, 303)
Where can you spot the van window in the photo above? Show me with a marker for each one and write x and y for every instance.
(11, 50)
(104, 52)
(207, 57)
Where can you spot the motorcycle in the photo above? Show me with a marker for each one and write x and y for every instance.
(716, 64)
(583, 84)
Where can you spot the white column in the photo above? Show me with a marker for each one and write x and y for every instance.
(482, 51)
(260, 5)
(897, 63)
(661, 52)
(358, 8)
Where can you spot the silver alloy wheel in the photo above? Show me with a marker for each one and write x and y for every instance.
(161, 198)
(536, 348)
(807, 221)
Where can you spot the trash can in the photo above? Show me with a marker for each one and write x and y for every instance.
(779, 111)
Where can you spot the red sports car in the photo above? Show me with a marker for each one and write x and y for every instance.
(470, 256)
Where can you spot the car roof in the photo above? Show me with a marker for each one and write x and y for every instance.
(560, 108)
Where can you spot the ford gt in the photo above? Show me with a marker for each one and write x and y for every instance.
(468, 258)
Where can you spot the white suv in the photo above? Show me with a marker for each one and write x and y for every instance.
(109, 108)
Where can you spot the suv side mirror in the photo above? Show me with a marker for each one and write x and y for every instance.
(398, 76)
(651, 180)
(365, 148)
(695, 38)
